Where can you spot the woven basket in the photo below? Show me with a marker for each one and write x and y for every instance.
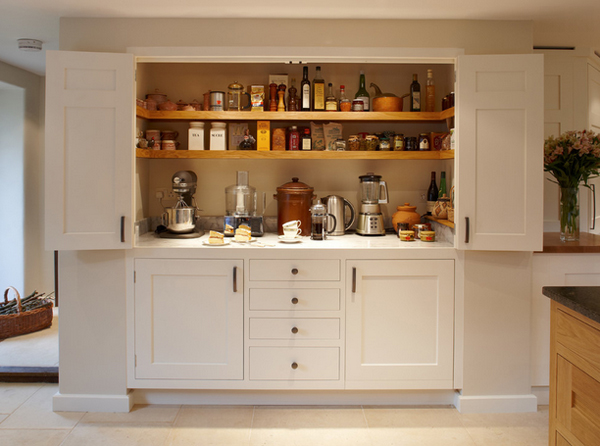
(24, 321)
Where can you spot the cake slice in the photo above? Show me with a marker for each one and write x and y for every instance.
(216, 238)
(242, 234)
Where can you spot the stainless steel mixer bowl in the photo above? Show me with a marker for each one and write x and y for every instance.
(180, 220)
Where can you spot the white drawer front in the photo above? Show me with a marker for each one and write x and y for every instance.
(294, 328)
(294, 299)
(294, 363)
(283, 269)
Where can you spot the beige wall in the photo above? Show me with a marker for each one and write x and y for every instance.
(38, 263)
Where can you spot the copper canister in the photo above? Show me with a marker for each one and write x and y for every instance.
(294, 200)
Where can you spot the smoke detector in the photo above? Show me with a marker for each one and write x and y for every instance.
(30, 45)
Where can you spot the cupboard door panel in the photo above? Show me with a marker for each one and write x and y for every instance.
(578, 402)
(400, 322)
(89, 159)
(500, 152)
(188, 319)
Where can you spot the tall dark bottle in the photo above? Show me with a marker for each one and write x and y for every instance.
(432, 194)
(415, 95)
(305, 101)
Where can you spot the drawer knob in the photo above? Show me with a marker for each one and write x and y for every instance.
(294, 271)
(294, 330)
(294, 365)
(294, 300)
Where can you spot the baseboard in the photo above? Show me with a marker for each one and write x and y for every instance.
(92, 403)
(496, 403)
(543, 394)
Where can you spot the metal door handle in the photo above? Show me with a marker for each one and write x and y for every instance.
(467, 229)
(123, 229)
(593, 186)
(294, 271)
(235, 279)
(294, 330)
(354, 279)
(294, 365)
(294, 300)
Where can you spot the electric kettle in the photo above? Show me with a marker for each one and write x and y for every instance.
(336, 206)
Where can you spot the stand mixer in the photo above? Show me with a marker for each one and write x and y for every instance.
(373, 192)
(241, 207)
(181, 218)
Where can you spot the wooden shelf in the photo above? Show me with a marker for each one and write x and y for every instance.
(293, 116)
(440, 221)
(295, 154)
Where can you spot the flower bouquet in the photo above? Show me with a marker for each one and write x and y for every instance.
(572, 159)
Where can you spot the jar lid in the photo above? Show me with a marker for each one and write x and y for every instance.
(406, 207)
(197, 124)
(218, 125)
(370, 176)
(235, 86)
(295, 186)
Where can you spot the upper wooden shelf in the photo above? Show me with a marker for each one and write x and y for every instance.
(292, 116)
(294, 154)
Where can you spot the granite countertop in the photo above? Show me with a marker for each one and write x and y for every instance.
(583, 299)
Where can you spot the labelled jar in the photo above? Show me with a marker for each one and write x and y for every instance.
(218, 136)
(196, 136)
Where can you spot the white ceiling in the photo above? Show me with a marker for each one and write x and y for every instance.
(39, 19)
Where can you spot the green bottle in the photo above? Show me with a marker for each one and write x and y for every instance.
(362, 93)
(443, 190)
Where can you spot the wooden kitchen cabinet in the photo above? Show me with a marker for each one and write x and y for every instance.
(189, 319)
(399, 324)
(574, 378)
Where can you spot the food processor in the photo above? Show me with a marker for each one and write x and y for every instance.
(373, 192)
(180, 219)
(241, 207)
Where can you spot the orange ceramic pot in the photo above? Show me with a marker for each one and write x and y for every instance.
(406, 214)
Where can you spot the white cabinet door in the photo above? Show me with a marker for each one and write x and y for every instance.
(400, 324)
(89, 150)
(189, 319)
(499, 155)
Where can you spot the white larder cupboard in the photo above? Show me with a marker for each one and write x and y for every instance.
(346, 339)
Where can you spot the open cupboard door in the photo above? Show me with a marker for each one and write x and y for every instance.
(499, 156)
(89, 150)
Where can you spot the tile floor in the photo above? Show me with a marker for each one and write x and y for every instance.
(26, 418)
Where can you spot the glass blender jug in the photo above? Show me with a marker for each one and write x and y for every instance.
(235, 91)
(373, 191)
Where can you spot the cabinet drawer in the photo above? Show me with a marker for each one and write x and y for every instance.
(294, 328)
(294, 270)
(294, 363)
(294, 299)
(578, 402)
(578, 337)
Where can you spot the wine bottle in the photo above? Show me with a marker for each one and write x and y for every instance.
(305, 91)
(430, 93)
(415, 95)
(330, 101)
(362, 93)
(443, 190)
(432, 194)
(318, 92)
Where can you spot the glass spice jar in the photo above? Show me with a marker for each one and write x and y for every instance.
(372, 142)
(398, 142)
(353, 143)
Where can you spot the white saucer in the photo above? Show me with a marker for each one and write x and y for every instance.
(205, 243)
(240, 241)
(284, 239)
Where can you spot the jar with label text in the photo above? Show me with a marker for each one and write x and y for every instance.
(384, 143)
(398, 142)
(196, 136)
(218, 136)
(423, 141)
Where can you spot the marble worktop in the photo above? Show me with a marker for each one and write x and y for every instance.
(585, 300)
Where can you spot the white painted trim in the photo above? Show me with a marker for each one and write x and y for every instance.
(295, 55)
(92, 403)
(542, 394)
(282, 397)
(496, 403)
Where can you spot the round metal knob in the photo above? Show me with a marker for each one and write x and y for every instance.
(294, 330)
(294, 271)
(294, 365)
(294, 300)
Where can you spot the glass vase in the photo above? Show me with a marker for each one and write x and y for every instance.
(569, 214)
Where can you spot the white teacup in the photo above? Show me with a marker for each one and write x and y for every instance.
(292, 224)
(291, 232)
